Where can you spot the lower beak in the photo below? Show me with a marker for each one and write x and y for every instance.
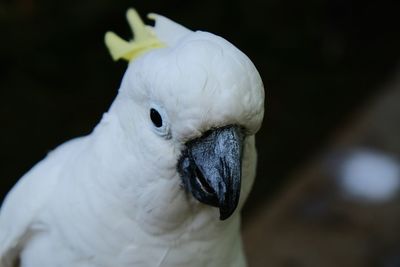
(210, 168)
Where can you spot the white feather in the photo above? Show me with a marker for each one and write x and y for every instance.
(113, 198)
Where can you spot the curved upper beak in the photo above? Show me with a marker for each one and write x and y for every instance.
(210, 167)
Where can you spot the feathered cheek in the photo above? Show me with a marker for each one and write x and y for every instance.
(164, 208)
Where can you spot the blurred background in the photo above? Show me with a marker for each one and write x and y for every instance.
(328, 176)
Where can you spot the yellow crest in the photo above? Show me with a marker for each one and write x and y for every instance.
(143, 41)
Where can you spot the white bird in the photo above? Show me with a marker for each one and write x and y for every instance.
(157, 182)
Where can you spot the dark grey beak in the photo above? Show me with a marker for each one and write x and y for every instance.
(210, 168)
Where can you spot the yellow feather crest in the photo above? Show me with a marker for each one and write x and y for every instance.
(143, 41)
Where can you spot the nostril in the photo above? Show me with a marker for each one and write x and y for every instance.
(207, 133)
(202, 181)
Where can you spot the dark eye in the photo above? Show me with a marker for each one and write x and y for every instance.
(156, 118)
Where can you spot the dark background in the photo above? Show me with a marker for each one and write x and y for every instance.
(320, 60)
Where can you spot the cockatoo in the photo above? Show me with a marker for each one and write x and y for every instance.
(162, 178)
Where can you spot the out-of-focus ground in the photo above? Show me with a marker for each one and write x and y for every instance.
(332, 93)
(343, 207)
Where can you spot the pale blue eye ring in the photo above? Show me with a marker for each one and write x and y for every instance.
(159, 120)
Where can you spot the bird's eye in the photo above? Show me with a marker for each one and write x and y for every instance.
(156, 118)
(159, 119)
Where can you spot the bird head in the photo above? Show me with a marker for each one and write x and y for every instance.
(190, 101)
